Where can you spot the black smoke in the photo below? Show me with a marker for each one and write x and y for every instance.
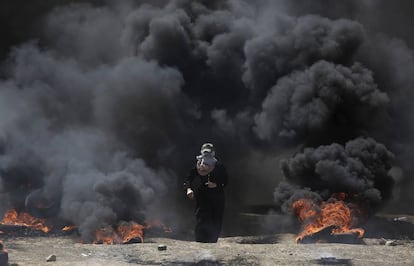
(360, 168)
(324, 99)
(104, 104)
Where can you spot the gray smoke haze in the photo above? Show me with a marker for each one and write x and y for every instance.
(104, 104)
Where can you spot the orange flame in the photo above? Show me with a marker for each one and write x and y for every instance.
(11, 217)
(107, 236)
(69, 228)
(125, 232)
(318, 217)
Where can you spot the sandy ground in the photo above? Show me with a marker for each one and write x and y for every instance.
(387, 242)
(279, 250)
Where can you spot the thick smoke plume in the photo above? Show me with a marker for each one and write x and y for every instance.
(309, 102)
(104, 104)
(359, 168)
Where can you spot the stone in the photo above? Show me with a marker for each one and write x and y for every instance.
(51, 258)
(162, 247)
(391, 243)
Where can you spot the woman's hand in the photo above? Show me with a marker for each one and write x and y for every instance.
(190, 193)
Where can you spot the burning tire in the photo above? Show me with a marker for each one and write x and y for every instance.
(39, 205)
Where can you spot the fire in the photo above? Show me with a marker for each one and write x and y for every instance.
(12, 217)
(329, 213)
(69, 228)
(125, 232)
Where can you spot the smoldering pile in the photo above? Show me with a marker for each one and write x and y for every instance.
(360, 169)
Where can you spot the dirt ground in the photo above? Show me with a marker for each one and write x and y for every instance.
(228, 251)
(271, 249)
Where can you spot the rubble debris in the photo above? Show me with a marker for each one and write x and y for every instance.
(14, 229)
(391, 243)
(382, 241)
(51, 258)
(134, 240)
(386, 242)
(162, 247)
(333, 261)
(326, 236)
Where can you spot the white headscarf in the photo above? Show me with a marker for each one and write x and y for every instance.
(206, 162)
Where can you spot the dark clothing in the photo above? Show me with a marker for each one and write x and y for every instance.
(209, 202)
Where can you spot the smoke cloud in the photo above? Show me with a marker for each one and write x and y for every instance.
(308, 102)
(104, 104)
(360, 168)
